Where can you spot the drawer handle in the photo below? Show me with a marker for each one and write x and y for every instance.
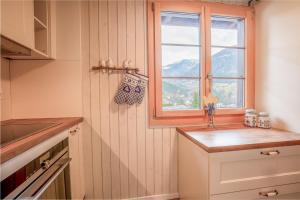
(270, 153)
(269, 194)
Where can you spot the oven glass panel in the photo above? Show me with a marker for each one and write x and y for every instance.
(16, 179)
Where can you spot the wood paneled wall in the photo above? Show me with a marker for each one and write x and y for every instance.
(124, 158)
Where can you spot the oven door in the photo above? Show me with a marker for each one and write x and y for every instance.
(53, 183)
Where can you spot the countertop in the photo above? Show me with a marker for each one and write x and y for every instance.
(13, 149)
(238, 137)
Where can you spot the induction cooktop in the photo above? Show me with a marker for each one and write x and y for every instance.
(11, 133)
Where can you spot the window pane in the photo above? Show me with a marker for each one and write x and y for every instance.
(230, 92)
(228, 62)
(180, 94)
(179, 61)
(180, 28)
(228, 31)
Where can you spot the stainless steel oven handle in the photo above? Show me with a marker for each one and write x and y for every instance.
(53, 177)
(45, 181)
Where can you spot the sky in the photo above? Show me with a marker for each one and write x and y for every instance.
(190, 35)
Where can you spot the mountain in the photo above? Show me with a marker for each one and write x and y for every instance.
(186, 67)
(224, 63)
(179, 93)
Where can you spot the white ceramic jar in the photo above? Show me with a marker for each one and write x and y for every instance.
(250, 118)
(264, 120)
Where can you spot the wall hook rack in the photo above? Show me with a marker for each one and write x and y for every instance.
(251, 2)
(108, 66)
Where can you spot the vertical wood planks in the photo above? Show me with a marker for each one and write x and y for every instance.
(166, 160)
(122, 55)
(141, 109)
(150, 162)
(128, 159)
(150, 190)
(132, 132)
(158, 162)
(173, 162)
(113, 107)
(86, 127)
(95, 95)
(104, 102)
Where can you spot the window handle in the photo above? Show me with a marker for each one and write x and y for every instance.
(209, 76)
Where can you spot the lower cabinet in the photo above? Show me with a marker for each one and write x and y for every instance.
(76, 164)
(268, 173)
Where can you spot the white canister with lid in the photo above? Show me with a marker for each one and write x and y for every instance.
(250, 118)
(264, 120)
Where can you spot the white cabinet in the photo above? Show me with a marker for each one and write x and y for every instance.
(32, 24)
(76, 164)
(44, 25)
(17, 21)
(235, 175)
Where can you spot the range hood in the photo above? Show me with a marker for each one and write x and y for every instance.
(11, 48)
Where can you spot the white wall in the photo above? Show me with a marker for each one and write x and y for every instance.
(5, 90)
(52, 88)
(278, 61)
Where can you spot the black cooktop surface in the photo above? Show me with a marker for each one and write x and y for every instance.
(13, 132)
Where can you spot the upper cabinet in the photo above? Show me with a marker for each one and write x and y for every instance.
(30, 24)
(17, 21)
(43, 25)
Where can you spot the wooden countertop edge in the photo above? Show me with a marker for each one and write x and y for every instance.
(182, 132)
(11, 150)
(236, 147)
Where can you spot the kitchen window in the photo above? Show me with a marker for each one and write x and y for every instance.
(180, 56)
(196, 49)
(228, 60)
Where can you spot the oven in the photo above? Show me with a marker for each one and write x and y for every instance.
(45, 177)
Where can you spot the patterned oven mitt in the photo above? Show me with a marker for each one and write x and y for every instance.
(133, 85)
(125, 93)
(139, 91)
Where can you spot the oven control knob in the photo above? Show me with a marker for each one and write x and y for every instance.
(45, 164)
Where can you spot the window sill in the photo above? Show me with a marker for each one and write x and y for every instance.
(224, 116)
(239, 111)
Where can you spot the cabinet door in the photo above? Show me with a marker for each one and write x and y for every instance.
(17, 21)
(76, 169)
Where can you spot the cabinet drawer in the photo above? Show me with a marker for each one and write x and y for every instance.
(284, 192)
(251, 169)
